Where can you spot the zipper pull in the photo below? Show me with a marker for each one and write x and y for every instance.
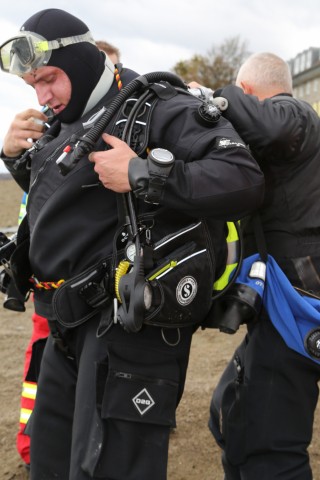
(239, 368)
(148, 236)
(124, 375)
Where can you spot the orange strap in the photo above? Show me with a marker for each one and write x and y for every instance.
(46, 285)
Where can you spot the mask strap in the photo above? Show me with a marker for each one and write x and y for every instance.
(64, 42)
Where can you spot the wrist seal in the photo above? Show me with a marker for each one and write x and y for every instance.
(148, 177)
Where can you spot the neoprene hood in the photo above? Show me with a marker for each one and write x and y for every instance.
(82, 62)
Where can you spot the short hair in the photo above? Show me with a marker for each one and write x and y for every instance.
(108, 48)
(266, 71)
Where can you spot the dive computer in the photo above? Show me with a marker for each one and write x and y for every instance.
(160, 162)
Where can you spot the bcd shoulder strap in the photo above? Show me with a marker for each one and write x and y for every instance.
(137, 111)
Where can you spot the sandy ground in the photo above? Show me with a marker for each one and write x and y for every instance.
(193, 453)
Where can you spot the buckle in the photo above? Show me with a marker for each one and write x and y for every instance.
(95, 294)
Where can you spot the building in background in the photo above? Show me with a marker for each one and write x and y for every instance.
(305, 70)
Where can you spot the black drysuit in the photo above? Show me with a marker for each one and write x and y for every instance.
(105, 405)
(268, 393)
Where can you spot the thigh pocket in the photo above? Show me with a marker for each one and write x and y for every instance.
(141, 391)
(136, 394)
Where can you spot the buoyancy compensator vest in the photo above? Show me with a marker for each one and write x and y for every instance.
(168, 282)
(171, 280)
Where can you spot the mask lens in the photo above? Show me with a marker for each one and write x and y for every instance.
(5, 56)
(23, 53)
(22, 48)
(17, 51)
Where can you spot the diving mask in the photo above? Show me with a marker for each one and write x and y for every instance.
(27, 51)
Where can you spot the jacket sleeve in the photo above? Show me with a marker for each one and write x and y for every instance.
(214, 173)
(273, 128)
(18, 169)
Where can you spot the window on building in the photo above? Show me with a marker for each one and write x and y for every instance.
(309, 58)
(308, 88)
(296, 67)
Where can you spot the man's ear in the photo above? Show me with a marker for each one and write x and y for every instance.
(246, 87)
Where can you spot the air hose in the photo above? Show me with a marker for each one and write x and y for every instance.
(86, 143)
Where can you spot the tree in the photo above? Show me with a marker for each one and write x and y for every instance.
(219, 67)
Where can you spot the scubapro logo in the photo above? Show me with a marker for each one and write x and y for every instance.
(143, 401)
(227, 143)
(186, 290)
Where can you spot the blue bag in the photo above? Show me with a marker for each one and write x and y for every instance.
(296, 317)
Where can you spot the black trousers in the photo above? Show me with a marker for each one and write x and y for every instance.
(263, 408)
(105, 410)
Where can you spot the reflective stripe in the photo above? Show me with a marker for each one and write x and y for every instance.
(165, 268)
(233, 252)
(23, 207)
(161, 273)
(223, 281)
(25, 415)
(233, 244)
(29, 390)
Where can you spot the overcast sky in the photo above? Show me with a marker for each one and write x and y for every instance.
(153, 35)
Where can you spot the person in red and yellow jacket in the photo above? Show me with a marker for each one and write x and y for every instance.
(33, 355)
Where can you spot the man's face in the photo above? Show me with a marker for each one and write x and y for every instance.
(52, 86)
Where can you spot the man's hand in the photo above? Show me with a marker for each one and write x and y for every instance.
(194, 85)
(26, 128)
(112, 165)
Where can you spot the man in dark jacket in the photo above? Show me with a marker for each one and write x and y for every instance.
(114, 366)
(268, 393)
(40, 329)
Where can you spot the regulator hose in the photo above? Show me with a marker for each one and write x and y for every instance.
(86, 143)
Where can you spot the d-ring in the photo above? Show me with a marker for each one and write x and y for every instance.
(166, 341)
